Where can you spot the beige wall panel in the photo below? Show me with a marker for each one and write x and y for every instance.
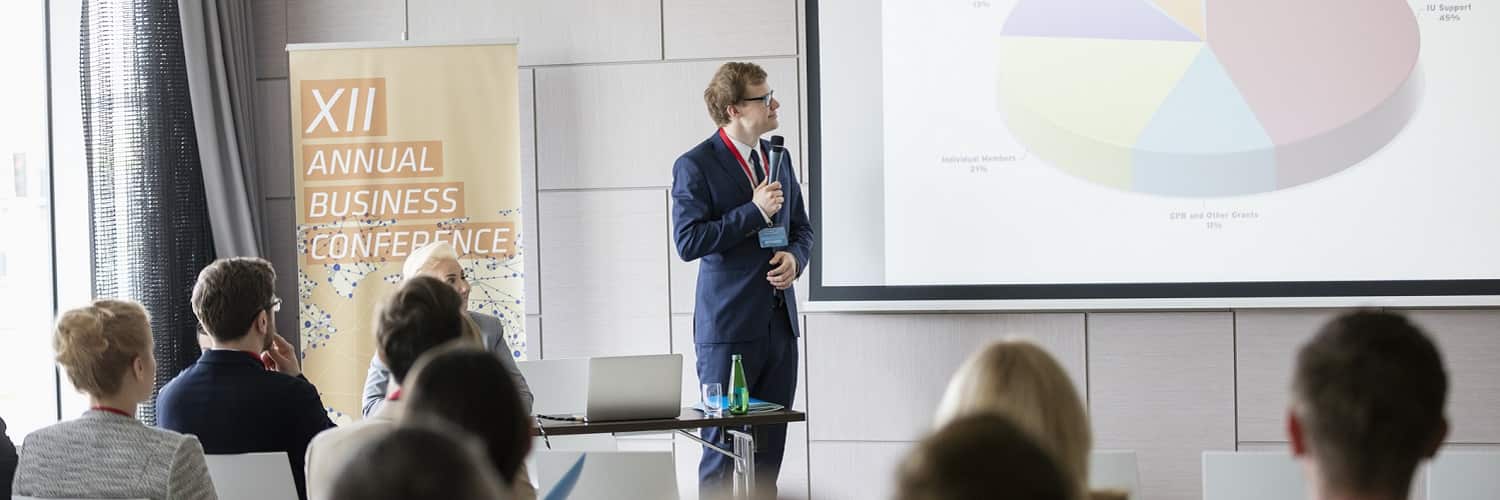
(703, 29)
(589, 31)
(526, 92)
(273, 134)
(1470, 345)
(1266, 343)
(455, 20)
(848, 470)
(604, 281)
(533, 337)
(313, 21)
(903, 363)
(617, 126)
(1162, 384)
(268, 25)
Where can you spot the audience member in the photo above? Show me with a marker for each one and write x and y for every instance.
(439, 260)
(1019, 380)
(105, 349)
(469, 388)
(982, 455)
(424, 313)
(7, 461)
(417, 463)
(247, 393)
(1367, 406)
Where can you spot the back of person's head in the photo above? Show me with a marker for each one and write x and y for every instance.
(417, 462)
(421, 315)
(100, 344)
(231, 294)
(1021, 381)
(982, 456)
(1367, 402)
(471, 388)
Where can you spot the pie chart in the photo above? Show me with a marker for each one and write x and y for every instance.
(1205, 98)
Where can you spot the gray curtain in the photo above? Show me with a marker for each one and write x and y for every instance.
(218, 45)
(150, 228)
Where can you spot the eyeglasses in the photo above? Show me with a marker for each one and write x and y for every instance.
(275, 305)
(765, 99)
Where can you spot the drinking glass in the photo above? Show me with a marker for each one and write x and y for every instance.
(713, 399)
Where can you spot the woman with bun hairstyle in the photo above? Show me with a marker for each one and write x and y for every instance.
(106, 350)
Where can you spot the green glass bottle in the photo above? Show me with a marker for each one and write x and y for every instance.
(739, 394)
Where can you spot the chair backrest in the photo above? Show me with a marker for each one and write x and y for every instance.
(1114, 470)
(252, 476)
(559, 385)
(1245, 475)
(1464, 475)
(621, 475)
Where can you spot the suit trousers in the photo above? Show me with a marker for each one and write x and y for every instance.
(771, 373)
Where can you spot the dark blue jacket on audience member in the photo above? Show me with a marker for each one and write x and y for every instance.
(7, 461)
(234, 405)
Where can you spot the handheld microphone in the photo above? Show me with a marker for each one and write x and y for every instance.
(777, 151)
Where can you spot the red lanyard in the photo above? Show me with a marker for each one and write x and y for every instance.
(764, 164)
(116, 411)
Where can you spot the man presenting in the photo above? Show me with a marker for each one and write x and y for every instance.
(743, 216)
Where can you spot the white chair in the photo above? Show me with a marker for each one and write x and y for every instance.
(618, 475)
(1114, 470)
(1236, 475)
(1464, 475)
(252, 476)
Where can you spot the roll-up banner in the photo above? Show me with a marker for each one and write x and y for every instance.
(396, 146)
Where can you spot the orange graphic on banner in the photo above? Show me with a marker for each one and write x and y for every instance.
(350, 107)
(394, 243)
(375, 160)
(408, 201)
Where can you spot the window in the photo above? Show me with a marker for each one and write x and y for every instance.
(44, 228)
(28, 393)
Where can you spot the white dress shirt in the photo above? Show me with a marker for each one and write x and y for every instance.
(745, 152)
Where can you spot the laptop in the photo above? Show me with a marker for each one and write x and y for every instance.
(634, 387)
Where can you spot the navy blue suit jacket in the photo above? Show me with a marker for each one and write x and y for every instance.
(714, 220)
(234, 405)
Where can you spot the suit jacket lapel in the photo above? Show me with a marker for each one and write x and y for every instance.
(732, 165)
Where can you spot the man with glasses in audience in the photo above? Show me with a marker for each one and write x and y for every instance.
(1367, 406)
(246, 393)
(740, 213)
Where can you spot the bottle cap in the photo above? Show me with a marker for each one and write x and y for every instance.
(735, 357)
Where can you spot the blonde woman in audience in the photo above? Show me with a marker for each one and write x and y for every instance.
(1019, 380)
(106, 350)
